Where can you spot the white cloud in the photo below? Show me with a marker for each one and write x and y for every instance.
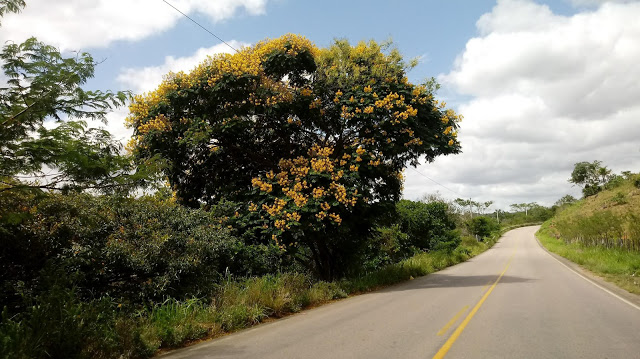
(146, 79)
(77, 24)
(546, 91)
(587, 3)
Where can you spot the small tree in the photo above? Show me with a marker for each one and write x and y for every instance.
(312, 141)
(482, 227)
(592, 176)
(44, 86)
(565, 200)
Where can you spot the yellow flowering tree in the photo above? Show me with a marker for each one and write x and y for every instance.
(312, 142)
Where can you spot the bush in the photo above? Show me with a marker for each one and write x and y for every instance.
(134, 250)
(56, 324)
(619, 198)
(429, 226)
(482, 227)
(614, 182)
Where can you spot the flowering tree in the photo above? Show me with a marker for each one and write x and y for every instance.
(312, 141)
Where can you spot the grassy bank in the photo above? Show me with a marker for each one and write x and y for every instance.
(616, 265)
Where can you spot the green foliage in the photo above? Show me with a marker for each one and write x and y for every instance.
(312, 142)
(619, 198)
(134, 249)
(44, 86)
(277, 295)
(417, 265)
(482, 227)
(430, 226)
(7, 6)
(389, 245)
(591, 175)
(56, 324)
(469, 206)
(614, 181)
(175, 322)
(63, 323)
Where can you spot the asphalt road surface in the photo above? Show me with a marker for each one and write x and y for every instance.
(513, 301)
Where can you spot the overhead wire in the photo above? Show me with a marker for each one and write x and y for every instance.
(436, 182)
(204, 28)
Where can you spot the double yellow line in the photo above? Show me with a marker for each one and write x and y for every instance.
(452, 339)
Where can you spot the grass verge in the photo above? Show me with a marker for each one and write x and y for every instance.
(615, 265)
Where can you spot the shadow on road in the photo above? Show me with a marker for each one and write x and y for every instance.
(436, 280)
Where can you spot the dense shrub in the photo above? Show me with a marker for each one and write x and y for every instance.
(429, 226)
(132, 249)
(387, 246)
(482, 227)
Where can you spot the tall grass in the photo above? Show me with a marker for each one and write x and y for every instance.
(617, 265)
(605, 228)
(610, 219)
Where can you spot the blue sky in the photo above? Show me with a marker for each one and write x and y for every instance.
(542, 84)
(435, 31)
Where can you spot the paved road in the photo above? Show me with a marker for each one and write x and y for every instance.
(513, 301)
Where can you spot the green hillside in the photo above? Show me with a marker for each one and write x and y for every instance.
(601, 233)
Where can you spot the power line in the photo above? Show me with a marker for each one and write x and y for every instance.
(203, 28)
(436, 182)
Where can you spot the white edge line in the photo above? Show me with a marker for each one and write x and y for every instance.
(587, 279)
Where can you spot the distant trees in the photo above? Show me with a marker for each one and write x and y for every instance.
(469, 206)
(523, 207)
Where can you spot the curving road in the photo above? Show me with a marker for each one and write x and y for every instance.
(513, 301)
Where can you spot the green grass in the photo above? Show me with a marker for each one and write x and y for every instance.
(616, 265)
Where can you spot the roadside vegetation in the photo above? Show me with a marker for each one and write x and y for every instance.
(601, 232)
(103, 276)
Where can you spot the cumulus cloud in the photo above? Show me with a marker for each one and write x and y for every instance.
(148, 78)
(75, 24)
(546, 91)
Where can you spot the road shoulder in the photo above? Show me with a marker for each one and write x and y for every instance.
(622, 294)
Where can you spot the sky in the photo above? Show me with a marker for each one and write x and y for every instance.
(542, 85)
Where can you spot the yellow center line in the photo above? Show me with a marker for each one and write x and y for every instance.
(484, 287)
(452, 339)
(453, 320)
